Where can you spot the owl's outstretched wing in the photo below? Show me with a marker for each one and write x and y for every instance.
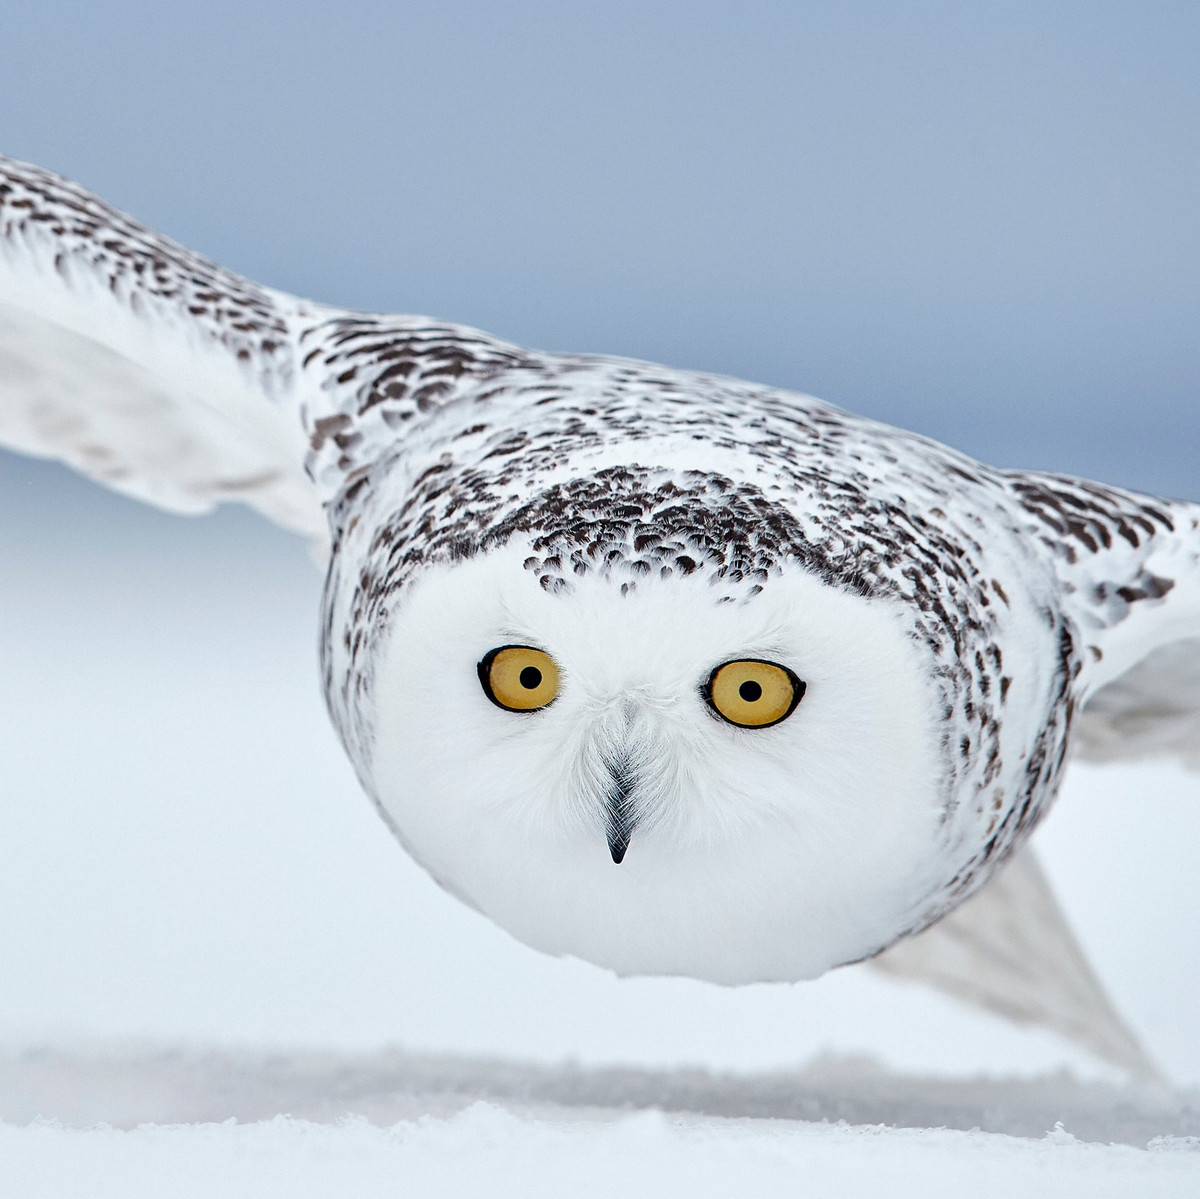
(1128, 570)
(1008, 949)
(155, 372)
(141, 364)
(1151, 711)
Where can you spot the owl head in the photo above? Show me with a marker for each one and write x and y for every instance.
(642, 720)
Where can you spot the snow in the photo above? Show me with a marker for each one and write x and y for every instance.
(128, 1086)
(500, 1153)
(201, 919)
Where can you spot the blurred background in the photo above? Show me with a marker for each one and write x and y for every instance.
(977, 221)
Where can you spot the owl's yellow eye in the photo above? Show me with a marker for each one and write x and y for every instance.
(753, 694)
(519, 678)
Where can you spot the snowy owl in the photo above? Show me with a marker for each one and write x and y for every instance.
(671, 672)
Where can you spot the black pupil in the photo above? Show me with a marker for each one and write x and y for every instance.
(531, 678)
(749, 690)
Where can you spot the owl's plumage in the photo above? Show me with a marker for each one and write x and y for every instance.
(956, 627)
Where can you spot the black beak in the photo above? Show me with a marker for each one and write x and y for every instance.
(619, 817)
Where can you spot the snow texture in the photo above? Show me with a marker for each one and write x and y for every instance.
(127, 1088)
(489, 1150)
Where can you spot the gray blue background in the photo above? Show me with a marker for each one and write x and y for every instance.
(975, 220)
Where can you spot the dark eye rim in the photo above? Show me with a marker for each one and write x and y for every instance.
(799, 687)
(484, 669)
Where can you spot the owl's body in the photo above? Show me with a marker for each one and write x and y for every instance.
(687, 500)
(944, 624)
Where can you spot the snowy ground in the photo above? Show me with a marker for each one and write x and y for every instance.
(490, 1151)
(201, 919)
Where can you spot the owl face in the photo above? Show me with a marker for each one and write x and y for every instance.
(657, 781)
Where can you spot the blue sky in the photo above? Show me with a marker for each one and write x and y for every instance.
(976, 220)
